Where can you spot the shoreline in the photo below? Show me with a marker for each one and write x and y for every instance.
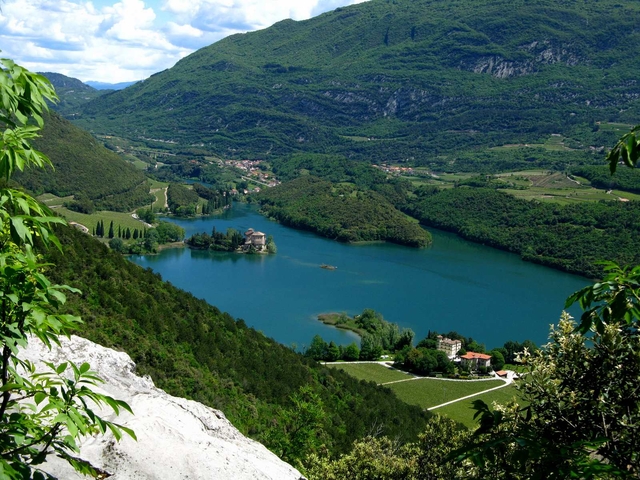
(332, 319)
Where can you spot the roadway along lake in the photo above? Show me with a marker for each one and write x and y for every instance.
(480, 292)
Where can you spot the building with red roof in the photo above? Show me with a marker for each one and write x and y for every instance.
(476, 360)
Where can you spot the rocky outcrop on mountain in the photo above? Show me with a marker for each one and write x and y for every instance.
(177, 438)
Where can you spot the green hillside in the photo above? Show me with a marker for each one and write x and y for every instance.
(84, 168)
(340, 212)
(193, 350)
(395, 80)
(71, 92)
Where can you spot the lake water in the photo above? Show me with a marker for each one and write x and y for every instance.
(480, 292)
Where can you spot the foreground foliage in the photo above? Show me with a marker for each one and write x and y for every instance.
(380, 458)
(581, 409)
(40, 413)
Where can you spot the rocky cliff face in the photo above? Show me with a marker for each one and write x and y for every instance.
(177, 438)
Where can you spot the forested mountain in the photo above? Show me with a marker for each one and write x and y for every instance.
(397, 80)
(71, 92)
(193, 350)
(84, 168)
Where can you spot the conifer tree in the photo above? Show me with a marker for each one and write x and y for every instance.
(111, 229)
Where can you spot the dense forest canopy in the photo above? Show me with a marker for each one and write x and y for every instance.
(340, 212)
(83, 167)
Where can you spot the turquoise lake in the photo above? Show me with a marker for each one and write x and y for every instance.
(480, 292)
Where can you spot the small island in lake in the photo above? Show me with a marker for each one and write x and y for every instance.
(233, 241)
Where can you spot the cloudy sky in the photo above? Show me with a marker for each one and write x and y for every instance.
(117, 41)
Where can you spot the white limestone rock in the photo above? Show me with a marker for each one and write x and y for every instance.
(177, 438)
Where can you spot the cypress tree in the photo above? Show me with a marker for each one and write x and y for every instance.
(135, 234)
(119, 232)
(111, 229)
(128, 233)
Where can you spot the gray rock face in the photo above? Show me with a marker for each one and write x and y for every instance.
(177, 438)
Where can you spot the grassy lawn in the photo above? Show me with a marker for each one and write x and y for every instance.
(429, 392)
(462, 411)
(139, 164)
(156, 184)
(627, 195)
(339, 320)
(158, 190)
(372, 372)
(615, 127)
(562, 195)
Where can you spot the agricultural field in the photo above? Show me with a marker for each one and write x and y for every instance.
(620, 128)
(542, 185)
(552, 143)
(124, 220)
(372, 372)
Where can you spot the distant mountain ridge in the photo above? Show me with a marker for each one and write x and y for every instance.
(62, 82)
(396, 79)
(71, 92)
(109, 86)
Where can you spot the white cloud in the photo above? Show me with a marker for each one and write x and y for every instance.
(124, 40)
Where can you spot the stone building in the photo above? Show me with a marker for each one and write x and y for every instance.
(448, 346)
(254, 239)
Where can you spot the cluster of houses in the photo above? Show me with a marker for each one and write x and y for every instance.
(252, 169)
(394, 169)
(473, 359)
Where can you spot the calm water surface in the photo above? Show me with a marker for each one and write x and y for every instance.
(489, 295)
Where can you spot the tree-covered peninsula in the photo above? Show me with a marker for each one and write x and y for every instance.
(341, 211)
(571, 237)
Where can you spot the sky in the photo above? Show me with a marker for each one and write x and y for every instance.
(127, 40)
